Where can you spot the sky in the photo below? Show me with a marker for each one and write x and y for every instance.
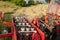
(43, 1)
(27, 1)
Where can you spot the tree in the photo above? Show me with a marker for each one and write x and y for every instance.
(21, 3)
(4, 0)
(13, 1)
(48, 1)
(31, 2)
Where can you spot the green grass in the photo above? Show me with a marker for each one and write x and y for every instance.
(8, 18)
(8, 38)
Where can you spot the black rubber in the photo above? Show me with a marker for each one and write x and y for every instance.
(58, 37)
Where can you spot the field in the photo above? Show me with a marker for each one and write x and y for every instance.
(30, 12)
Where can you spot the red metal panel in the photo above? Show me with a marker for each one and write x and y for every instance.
(1, 14)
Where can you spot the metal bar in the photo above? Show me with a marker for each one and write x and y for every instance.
(6, 35)
(50, 5)
(14, 37)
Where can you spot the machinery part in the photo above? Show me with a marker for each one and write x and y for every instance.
(41, 34)
(35, 21)
(24, 29)
(49, 33)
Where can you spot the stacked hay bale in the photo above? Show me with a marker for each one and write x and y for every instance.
(7, 6)
(32, 11)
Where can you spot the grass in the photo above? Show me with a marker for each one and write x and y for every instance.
(8, 18)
